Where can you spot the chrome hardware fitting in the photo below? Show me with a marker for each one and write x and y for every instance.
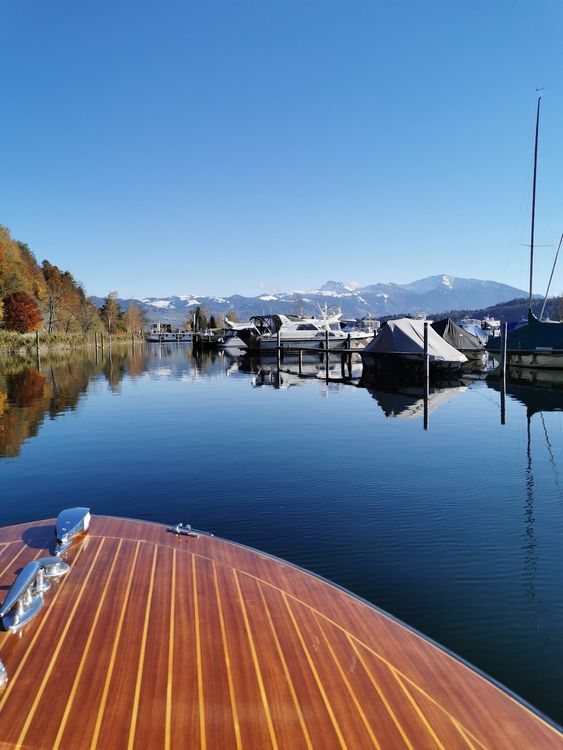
(182, 528)
(53, 566)
(70, 523)
(3, 676)
(24, 600)
(25, 597)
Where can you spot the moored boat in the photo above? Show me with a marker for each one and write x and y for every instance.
(292, 331)
(400, 343)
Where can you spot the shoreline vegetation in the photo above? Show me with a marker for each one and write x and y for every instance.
(43, 307)
(12, 342)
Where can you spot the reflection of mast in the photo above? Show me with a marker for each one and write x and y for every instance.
(551, 457)
(530, 542)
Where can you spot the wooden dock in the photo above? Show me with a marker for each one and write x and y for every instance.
(154, 640)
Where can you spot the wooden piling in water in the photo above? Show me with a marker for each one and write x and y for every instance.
(503, 335)
(426, 374)
(300, 356)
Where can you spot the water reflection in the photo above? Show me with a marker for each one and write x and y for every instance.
(540, 391)
(28, 395)
(411, 402)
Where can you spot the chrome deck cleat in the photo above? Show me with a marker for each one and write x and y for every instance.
(25, 598)
(71, 523)
(182, 528)
(3, 676)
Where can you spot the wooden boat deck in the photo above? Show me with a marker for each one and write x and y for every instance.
(154, 640)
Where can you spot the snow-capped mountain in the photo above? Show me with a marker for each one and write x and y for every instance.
(432, 295)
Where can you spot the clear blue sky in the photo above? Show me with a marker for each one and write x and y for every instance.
(216, 147)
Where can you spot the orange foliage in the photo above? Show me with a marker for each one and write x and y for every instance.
(21, 313)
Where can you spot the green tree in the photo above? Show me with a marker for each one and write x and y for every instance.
(111, 313)
(201, 321)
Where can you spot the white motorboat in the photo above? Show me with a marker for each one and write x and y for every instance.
(163, 334)
(291, 331)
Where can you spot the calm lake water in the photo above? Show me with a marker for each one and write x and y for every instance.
(457, 530)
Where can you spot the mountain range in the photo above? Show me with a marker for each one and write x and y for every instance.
(431, 295)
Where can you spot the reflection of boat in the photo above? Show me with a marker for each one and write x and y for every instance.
(400, 343)
(408, 402)
(162, 637)
(538, 390)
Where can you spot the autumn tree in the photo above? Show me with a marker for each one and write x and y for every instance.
(19, 271)
(88, 314)
(21, 313)
(61, 298)
(133, 318)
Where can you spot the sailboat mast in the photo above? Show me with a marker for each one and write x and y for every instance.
(534, 205)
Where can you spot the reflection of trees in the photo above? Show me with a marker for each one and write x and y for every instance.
(27, 394)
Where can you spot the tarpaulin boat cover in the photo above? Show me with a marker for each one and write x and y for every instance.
(406, 336)
(461, 340)
(475, 330)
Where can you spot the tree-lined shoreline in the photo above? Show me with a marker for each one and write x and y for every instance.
(46, 299)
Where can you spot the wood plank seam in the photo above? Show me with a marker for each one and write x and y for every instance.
(257, 669)
(286, 671)
(202, 734)
(86, 651)
(58, 647)
(416, 707)
(109, 673)
(168, 720)
(316, 676)
(349, 687)
(234, 709)
(470, 745)
(381, 694)
(139, 680)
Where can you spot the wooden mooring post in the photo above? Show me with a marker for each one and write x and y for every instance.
(503, 336)
(300, 356)
(426, 374)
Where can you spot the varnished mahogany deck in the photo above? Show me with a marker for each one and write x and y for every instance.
(159, 641)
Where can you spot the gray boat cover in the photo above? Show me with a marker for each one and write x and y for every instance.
(406, 336)
(461, 340)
